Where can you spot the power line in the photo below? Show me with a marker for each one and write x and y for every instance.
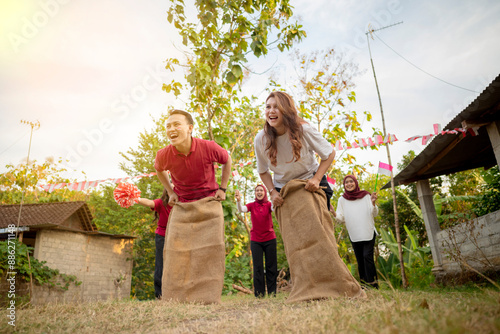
(15, 142)
(446, 82)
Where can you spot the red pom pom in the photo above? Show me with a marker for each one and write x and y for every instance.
(126, 194)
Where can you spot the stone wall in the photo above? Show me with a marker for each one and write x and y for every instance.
(103, 264)
(476, 243)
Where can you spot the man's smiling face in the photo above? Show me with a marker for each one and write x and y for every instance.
(178, 129)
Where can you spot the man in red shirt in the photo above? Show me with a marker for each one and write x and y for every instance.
(190, 162)
(193, 264)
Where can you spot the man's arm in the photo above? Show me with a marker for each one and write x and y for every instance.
(163, 177)
(226, 172)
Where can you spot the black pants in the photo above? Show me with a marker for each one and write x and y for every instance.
(328, 191)
(259, 250)
(366, 264)
(159, 243)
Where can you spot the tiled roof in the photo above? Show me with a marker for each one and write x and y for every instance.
(46, 214)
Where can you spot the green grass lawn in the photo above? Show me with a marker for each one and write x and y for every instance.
(471, 310)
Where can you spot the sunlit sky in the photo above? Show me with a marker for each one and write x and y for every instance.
(91, 72)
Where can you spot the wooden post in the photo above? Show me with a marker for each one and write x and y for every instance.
(431, 222)
(494, 134)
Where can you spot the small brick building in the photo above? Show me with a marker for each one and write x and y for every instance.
(64, 235)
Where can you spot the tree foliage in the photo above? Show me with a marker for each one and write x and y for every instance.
(26, 176)
(12, 251)
(323, 87)
(490, 193)
(136, 221)
(225, 33)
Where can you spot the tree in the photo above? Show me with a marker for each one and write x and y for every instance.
(28, 175)
(136, 221)
(323, 87)
(490, 197)
(226, 32)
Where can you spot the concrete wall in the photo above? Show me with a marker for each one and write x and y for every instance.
(100, 262)
(476, 243)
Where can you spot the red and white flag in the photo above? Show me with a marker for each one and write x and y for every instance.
(384, 169)
(330, 181)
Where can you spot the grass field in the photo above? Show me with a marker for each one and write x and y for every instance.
(472, 310)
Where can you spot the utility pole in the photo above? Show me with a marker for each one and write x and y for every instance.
(396, 219)
(34, 126)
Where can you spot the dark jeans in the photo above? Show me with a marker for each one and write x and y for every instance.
(259, 249)
(159, 243)
(328, 191)
(366, 264)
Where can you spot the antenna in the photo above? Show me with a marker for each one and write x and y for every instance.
(396, 218)
(34, 126)
(371, 30)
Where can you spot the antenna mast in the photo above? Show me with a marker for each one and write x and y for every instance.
(396, 218)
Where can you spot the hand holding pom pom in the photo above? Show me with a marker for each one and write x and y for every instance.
(126, 194)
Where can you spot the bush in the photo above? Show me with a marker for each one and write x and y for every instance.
(490, 199)
(13, 250)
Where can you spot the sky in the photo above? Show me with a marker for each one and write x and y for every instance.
(91, 72)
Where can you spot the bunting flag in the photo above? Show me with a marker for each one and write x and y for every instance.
(339, 145)
(391, 138)
(83, 185)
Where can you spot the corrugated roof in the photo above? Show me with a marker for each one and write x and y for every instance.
(447, 154)
(46, 214)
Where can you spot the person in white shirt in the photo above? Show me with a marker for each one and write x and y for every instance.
(357, 209)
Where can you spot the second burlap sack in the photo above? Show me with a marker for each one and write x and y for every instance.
(194, 252)
(316, 269)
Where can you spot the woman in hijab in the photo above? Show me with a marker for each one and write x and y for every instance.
(356, 208)
(262, 242)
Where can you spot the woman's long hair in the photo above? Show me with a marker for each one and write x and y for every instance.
(291, 121)
(164, 198)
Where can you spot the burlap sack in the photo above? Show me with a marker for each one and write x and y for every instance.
(194, 252)
(316, 269)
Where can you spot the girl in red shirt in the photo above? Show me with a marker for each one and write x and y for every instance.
(162, 211)
(262, 242)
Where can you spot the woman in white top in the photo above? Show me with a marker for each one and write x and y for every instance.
(287, 146)
(356, 208)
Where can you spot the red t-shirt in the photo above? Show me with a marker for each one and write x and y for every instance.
(262, 222)
(193, 175)
(163, 213)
